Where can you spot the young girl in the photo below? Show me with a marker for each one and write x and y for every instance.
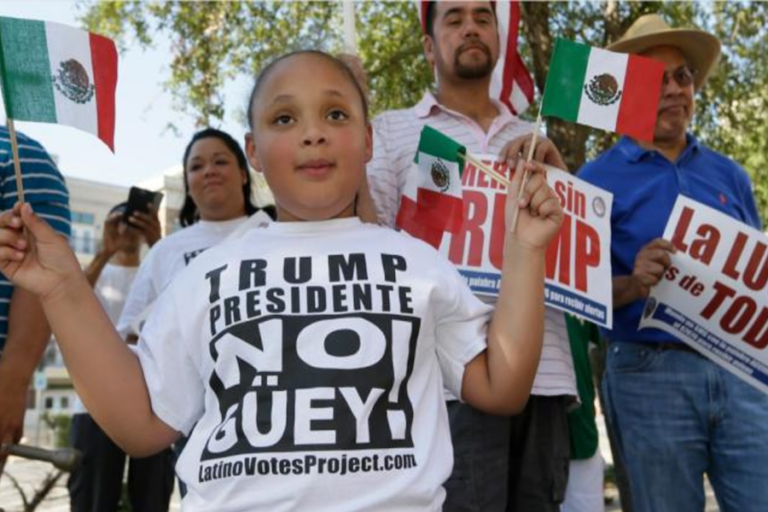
(306, 360)
(217, 201)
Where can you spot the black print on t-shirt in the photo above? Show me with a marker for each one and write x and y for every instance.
(311, 365)
(189, 256)
(315, 382)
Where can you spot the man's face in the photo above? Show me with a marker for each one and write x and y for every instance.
(465, 44)
(676, 107)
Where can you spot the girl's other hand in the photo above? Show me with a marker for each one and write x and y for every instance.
(36, 258)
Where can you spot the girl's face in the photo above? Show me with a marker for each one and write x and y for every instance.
(310, 139)
(215, 180)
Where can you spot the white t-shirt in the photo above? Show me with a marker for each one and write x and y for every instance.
(395, 140)
(308, 361)
(111, 289)
(166, 259)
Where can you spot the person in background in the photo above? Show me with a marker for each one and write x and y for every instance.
(96, 485)
(502, 464)
(24, 332)
(677, 415)
(217, 202)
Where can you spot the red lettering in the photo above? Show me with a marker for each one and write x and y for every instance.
(704, 248)
(482, 179)
(721, 292)
(757, 336)
(559, 253)
(741, 311)
(587, 253)
(475, 213)
(682, 228)
(560, 191)
(756, 274)
(498, 231)
(671, 273)
(697, 289)
(501, 168)
(469, 175)
(729, 268)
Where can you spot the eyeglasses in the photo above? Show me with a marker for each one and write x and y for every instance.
(682, 76)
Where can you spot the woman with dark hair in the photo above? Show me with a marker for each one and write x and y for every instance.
(217, 201)
(190, 213)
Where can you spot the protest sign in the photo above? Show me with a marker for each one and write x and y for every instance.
(578, 269)
(714, 295)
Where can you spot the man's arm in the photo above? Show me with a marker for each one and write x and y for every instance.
(28, 336)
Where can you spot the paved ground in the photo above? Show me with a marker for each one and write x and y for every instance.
(30, 475)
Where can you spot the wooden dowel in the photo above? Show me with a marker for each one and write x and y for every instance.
(484, 168)
(16, 161)
(524, 182)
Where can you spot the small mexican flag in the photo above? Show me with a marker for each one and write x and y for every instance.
(613, 91)
(432, 199)
(52, 73)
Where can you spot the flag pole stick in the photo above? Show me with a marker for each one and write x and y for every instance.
(350, 30)
(16, 161)
(531, 149)
(487, 170)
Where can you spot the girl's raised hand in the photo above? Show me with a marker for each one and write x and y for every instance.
(39, 259)
(540, 213)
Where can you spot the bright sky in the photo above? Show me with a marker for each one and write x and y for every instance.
(144, 147)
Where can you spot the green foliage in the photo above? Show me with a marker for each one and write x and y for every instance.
(215, 42)
(61, 424)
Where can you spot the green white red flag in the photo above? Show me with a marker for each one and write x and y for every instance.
(432, 199)
(612, 91)
(53, 73)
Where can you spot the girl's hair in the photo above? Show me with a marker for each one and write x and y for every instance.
(340, 65)
(189, 213)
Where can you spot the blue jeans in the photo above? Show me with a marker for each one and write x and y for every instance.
(677, 416)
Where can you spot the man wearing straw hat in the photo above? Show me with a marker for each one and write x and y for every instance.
(24, 331)
(461, 43)
(677, 414)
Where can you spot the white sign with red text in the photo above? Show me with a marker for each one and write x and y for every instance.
(714, 297)
(578, 268)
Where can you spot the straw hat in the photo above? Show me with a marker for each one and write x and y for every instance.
(700, 48)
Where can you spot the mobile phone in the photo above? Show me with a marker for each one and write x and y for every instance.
(139, 200)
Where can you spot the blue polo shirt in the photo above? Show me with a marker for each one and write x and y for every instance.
(645, 186)
(44, 189)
